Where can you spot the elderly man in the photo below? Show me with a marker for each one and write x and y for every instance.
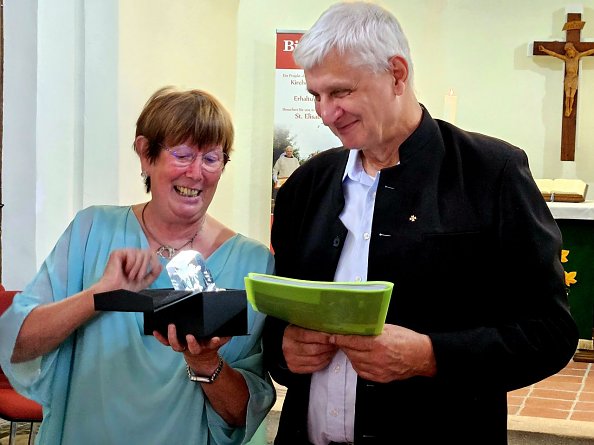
(452, 218)
(284, 166)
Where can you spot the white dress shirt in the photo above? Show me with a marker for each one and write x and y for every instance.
(331, 415)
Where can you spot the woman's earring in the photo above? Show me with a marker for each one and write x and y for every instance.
(143, 174)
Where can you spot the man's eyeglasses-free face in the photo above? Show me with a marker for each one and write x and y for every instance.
(212, 161)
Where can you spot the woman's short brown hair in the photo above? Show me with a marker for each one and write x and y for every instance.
(171, 117)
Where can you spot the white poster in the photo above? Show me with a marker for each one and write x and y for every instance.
(296, 123)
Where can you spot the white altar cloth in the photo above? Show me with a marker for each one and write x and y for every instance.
(572, 210)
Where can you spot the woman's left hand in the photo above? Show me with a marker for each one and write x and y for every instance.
(200, 354)
(229, 395)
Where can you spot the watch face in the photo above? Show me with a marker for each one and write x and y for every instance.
(202, 379)
(198, 378)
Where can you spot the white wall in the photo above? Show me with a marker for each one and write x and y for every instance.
(19, 162)
(69, 113)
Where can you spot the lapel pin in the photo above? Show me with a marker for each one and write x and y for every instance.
(412, 218)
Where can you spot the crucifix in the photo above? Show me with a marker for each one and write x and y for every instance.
(570, 51)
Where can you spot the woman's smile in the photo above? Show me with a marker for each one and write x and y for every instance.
(186, 191)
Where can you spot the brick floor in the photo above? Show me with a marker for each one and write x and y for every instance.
(568, 395)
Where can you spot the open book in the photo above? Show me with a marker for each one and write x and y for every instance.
(334, 307)
(562, 190)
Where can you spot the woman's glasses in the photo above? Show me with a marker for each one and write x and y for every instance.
(212, 161)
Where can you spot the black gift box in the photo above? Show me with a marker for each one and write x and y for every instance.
(203, 314)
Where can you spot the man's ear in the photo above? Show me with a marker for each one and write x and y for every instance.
(399, 70)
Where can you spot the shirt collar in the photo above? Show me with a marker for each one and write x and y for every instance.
(354, 169)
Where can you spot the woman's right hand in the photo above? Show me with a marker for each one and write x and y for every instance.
(130, 269)
(49, 324)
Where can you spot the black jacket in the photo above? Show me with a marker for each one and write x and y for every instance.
(462, 231)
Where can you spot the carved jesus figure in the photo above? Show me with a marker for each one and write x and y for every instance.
(572, 59)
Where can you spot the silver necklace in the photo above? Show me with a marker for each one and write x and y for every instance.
(165, 250)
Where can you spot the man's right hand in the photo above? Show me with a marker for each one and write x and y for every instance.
(307, 351)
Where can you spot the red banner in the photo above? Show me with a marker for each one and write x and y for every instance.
(285, 44)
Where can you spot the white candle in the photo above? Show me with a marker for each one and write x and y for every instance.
(450, 104)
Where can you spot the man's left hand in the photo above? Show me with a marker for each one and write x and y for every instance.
(397, 353)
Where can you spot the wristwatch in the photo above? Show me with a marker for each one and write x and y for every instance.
(204, 379)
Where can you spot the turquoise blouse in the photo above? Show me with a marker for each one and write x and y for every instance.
(110, 384)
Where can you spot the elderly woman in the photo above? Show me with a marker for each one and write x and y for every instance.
(99, 378)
